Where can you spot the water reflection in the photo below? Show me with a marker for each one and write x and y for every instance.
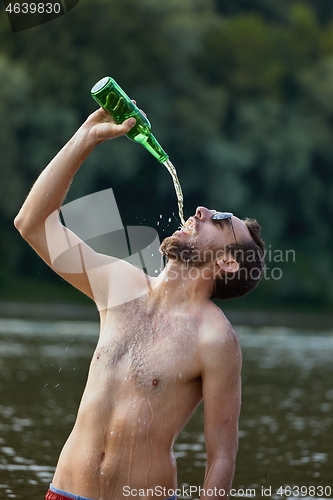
(286, 426)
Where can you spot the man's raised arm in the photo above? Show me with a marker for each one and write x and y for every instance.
(48, 192)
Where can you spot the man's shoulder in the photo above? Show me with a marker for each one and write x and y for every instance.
(216, 331)
(220, 351)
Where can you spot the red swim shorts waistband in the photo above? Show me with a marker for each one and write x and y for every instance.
(56, 494)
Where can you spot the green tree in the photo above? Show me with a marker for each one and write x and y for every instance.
(239, 94)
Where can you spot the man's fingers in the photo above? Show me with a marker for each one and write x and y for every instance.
(129, 123)
(145, 114)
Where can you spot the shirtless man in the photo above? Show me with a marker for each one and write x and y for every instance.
(158, 355)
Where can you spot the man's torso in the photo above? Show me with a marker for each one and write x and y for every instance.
(143, 385)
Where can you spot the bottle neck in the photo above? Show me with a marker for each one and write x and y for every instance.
(153, 146)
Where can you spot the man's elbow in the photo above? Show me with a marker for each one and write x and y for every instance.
(24, 227)
(19, 223)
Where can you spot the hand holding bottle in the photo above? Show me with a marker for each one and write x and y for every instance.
(116, 102)
(102, 126)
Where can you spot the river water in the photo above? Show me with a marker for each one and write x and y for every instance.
(286, 424)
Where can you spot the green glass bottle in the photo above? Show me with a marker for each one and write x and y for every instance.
(113, 99)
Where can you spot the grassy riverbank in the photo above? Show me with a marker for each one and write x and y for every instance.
(26, 299)
(88, 312)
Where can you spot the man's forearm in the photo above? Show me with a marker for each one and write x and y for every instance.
(218, 479)
(53, 183)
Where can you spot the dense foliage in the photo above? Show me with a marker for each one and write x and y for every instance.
(239, 93)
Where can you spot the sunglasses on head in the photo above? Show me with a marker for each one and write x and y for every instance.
(226, 215)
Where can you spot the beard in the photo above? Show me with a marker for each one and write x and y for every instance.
(187, 253)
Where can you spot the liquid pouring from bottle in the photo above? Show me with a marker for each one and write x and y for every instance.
(111, 97)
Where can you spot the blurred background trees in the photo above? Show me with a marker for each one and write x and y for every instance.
(240, 94)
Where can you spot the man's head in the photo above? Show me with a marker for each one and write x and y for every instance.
(230, 247)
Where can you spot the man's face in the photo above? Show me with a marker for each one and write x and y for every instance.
(203, 239)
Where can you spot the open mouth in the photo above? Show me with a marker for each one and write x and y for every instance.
(189, 227)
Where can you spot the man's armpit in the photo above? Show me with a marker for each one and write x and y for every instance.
(118, 282)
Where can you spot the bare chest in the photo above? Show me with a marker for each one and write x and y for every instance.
(148, 349)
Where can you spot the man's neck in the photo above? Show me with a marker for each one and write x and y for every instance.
(179, 283)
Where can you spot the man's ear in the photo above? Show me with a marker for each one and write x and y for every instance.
(228, 265)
